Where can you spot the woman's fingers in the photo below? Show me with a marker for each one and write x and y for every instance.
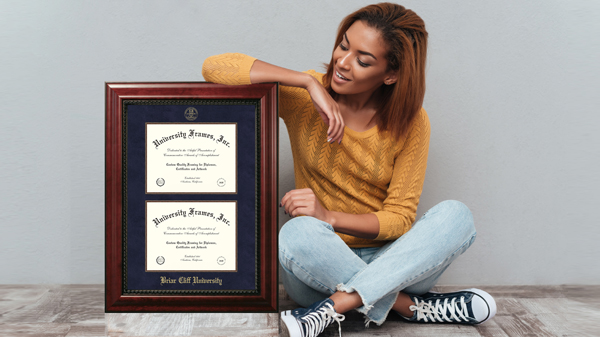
(299, 198)
(297, 207)
(303, 202)
(339, 127)
(337, 124)
(285, 201)
(300, 208)
(295, 194)
(332, 123)
(335, 132)
(329, 111)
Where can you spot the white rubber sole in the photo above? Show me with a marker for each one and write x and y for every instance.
(290, 327)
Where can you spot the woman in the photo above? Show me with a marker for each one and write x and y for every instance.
(360, 140)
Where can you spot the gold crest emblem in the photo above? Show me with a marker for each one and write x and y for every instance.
(191, 114)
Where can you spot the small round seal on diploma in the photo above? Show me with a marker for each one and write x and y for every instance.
(221, 260)
(160, 260)
(221, 182)
(160, 182)
(191, 114)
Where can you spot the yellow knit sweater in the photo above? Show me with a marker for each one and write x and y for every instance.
(369, 172)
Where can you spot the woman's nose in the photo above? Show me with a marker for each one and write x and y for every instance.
(344, 61)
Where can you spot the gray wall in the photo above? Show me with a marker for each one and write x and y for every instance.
(509, 97)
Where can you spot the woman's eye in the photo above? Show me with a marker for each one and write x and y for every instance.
(361, 63)
(343, 47)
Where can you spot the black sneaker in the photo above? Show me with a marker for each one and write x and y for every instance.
(310, 322)
(470, 306)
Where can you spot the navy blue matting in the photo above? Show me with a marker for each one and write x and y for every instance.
(136, 113)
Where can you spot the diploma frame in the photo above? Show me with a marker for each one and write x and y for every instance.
(264, 297)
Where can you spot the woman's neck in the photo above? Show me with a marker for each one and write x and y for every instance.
(358, 110)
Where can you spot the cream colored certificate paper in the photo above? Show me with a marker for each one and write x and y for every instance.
(191, 236)
(191, 158)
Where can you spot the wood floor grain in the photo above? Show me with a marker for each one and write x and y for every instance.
(87, 304)
(30, 304)
(78, 311)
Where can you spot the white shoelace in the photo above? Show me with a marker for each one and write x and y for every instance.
(319, 320)
(427, 311)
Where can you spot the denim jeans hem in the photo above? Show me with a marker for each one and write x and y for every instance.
(349, 290)
(367, 309)
(381, 320)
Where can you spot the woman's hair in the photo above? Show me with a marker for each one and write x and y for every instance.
(406, 38)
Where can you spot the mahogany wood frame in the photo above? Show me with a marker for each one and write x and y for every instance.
(266, 300)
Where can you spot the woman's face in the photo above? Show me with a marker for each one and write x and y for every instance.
(359, 61)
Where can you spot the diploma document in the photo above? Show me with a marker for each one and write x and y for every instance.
(191, 158)
(191, 236)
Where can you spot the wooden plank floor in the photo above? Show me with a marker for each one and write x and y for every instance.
(78, 310)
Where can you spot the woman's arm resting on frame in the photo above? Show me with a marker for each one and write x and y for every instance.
(262, 72)
(304, 202)
(239, 69)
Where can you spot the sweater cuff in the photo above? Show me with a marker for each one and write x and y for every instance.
(245, 66)
(391, 225)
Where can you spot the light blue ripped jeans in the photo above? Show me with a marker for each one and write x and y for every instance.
(316, 262)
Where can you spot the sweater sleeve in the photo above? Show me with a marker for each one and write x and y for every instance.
(400, 206)
(234, 69)
(293, 100)
(231, 68)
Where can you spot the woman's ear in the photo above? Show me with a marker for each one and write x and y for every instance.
(390, 79)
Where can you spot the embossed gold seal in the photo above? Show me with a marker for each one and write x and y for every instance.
(191, 114)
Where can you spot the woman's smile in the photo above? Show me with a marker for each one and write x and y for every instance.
(340, 78)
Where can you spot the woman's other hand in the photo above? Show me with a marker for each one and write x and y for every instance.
(328, 109)
(304, 202)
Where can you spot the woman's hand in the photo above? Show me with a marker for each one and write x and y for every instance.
(326, 106)
(304, 202)
(328, 109)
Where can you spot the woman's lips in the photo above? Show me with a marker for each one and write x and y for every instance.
(340, 78)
